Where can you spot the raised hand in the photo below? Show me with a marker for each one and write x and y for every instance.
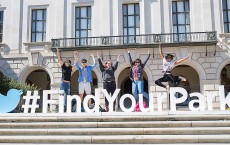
(76, 53)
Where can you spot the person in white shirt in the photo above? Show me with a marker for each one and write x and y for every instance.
(168, 64)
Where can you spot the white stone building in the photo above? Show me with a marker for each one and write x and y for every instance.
(31, 29)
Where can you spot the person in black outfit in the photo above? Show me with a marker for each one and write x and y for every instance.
(66, 75)
(108, 77)
(168, 64)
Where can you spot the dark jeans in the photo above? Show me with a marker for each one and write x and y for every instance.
(110, 87)
(166, 78)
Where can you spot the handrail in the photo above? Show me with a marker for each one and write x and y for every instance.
(135, 39)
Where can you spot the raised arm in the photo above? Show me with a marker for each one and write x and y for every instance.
(181, 60)
(143, 65)
(116, 64)
(76, 56)
(94, 62)
(130, 58)
(100, 62)
(160, 50)
(59, 57)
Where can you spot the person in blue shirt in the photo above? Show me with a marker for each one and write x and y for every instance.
(85, 76)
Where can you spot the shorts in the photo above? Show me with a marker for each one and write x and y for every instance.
(85, 86)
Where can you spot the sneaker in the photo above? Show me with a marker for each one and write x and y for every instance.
(182, 78)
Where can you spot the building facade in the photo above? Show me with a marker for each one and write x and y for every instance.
(31, 30)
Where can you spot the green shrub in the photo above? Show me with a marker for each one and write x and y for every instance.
(8, 83)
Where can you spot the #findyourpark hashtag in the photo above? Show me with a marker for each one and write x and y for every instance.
(33, 106)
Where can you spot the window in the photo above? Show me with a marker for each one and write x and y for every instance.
(131, 22)
(1, 25)
(38, 28)
(181, 20)
(226, 15)
(83, 25)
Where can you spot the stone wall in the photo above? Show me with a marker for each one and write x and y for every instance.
(208, 67)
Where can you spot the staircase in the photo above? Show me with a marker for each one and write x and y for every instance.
(117, 128)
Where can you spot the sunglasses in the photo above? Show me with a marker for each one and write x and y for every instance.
(137, 62)
(83, 62)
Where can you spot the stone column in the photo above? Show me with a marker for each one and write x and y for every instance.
(162, 91)
(212, 86)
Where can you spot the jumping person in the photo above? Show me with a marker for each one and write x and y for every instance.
(168, 64)
(136, 75)
(108, 77)
(66, 75)
(85, 76)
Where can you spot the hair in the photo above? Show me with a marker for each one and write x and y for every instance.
(66, 61)
(169, 55)
(83, 60)
(138, 59)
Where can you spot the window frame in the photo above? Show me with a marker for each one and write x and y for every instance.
(44, 26)
(2, 24)
(135, 27)
(176, 24)
(80, 29)
(227, 10)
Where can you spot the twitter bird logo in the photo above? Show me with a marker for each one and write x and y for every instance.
(10, 102)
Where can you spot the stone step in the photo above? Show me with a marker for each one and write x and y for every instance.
(119, 139)
(118, 131)
(136, 124)
(106, 118)
(123, 144)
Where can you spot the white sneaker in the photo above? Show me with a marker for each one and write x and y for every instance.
(182, 78)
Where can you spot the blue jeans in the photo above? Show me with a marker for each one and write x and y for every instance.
(138, 87)
(66, 87)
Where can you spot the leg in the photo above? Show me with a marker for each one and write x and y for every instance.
(159, 81)
(105, 86)
(134, 89)
(81, 93)
(88, 91)
(112, 90)
(62, 87)
(177, 80)
(171, 79)
(81, 90)
(141, 89)
(67, 92)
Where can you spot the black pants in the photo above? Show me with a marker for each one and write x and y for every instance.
(168, 77)
(110, 87)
